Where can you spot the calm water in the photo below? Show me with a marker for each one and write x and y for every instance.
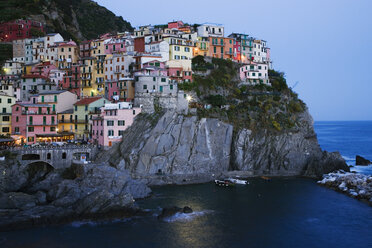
(280, 213)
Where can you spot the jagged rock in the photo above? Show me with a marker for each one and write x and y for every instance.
(187, 210)
(355, 185)
(17, 200)
(177, 149)
(170, 211)
(359, 160)
(100, 189)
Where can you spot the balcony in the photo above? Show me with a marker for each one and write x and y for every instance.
(117, 71)
(66, 121)
(81, 121)
(229, 53)
(33, 91)
(29, 112)
(100, 81)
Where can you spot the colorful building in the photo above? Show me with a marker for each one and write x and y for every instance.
(66, 121)
(211, 30)
(67, 54)
(32, 122)
(201, 47)
(60, 100)
(255, 73)
(109, 125)
(221, 47)
(83, 110)
(6, 103)
(19, 29)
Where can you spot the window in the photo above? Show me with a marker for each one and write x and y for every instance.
(134, 111)
(163, 80)
(16, 129)
(6, 118)
(64, 155)
(52, 129)
(187, 49)
(110, 123)
(121, 132)
(86, 107)
(145, 87)
(110, 132)
(121, 123)
(30, 139)
(9, 100)
(75, 109)
(171, 87)
(30, 129)
(49, 156)
(5, 129)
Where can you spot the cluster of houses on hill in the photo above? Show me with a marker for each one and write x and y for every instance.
(57, 90)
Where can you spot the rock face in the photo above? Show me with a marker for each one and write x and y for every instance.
(355, 185)
(359, 160)
(98, 190)
(176, 145)
(185, 147)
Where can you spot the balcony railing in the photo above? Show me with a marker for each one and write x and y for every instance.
(29, 112)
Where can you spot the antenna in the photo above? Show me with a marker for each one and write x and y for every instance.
(294, 86)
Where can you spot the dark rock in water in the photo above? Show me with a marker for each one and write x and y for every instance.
(362, 161)
(187, 210)
(170, 211)
(351, 166)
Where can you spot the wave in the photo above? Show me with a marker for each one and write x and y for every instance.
(182, 217)
(349, 158)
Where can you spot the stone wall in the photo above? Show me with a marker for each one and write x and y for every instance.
(59, 157)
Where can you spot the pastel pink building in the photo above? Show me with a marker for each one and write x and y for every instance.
(109, 126)
(114, 45)
(175, 24)
(33, 121)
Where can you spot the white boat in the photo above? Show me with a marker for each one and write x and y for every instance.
(238, 181)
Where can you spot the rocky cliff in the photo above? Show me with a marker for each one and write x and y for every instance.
(75, 19)
(184, 149)
(232, 128)
(37, 194)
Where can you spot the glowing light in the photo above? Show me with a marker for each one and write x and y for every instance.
(188, 98)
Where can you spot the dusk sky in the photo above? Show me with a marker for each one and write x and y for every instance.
(325, 45)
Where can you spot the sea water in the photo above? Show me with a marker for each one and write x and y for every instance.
(286, 212)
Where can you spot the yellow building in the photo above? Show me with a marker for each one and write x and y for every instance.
(66, 121)
(6, 103)
(83, 111)
(67, 54)
(201, 47)
(180, 53)
(88, 76)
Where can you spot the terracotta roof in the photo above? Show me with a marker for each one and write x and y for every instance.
(87, 100)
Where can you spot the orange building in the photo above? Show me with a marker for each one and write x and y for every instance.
(221, 47)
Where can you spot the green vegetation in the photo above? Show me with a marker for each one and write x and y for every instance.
(272, 107)
(6, 52)
(92, 19)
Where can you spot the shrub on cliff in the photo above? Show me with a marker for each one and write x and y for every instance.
(216, 100)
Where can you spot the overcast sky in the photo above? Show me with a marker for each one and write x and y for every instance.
(325, 45)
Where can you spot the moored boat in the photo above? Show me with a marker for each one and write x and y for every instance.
(238, 181)
(224, 183)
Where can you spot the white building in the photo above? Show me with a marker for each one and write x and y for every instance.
(254, 73)
(211, 30)
(160, 48)
(13, 67)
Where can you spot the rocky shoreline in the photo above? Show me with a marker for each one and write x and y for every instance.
(30, 197)
(356, 185)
